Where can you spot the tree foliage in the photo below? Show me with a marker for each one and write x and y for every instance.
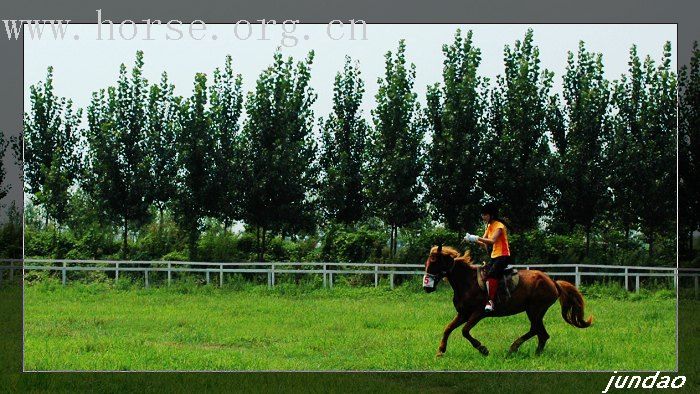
(581, 185)
(278, 151)
(117, 168)
(396, 162)
(51, 138)
(343, 150)
(195, 146)
(455, 113)
(642, 153)
(689, 149)
(516, 169)
(226, 99)
(163, 123)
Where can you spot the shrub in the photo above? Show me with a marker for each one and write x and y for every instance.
(417, 243)
(157, 240)
(177, 255)
(362, 245)
(217, 245)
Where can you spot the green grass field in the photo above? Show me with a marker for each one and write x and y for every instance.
(102, 327)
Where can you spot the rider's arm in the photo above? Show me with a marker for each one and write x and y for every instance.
(492, 240)
(478, 240)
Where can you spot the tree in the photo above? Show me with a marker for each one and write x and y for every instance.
(643, 147)
(163, 123)
(4, 189)
(51, 137)
(226, 101)
(689, 150)
(342, 153)
(195, 145)
(117, 174)
(581, 187)
(658, 147)
(456, 117)
(628, 97)
(396, 146)
(279, 151)
(516, 169)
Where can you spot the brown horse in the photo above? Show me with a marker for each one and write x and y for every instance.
(535, 293)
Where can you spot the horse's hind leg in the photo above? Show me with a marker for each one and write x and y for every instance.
(542, 336)
(471, 322)
(532, 316)
(456, 322)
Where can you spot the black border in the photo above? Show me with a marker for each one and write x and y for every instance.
(685, 14)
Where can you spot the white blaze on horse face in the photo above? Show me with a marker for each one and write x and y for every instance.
(428, 281)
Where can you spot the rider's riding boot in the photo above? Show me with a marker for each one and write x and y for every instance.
(491, 287)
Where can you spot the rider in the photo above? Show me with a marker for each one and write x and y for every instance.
(496, 235)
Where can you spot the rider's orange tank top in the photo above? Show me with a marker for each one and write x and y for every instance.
(500, 248)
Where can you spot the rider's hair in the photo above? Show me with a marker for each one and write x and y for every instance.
(491, 209)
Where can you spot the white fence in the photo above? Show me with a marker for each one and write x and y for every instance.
(630, 274)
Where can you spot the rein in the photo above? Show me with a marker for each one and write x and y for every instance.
(445, 272)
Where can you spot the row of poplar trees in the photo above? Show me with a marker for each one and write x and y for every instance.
(602, 153)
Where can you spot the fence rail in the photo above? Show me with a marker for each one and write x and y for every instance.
(330, 269)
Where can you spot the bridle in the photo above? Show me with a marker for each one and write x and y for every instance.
(443, 273)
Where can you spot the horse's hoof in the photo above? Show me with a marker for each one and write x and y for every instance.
(538, 351)
(439, 354)
(483, 350)
(513, 350)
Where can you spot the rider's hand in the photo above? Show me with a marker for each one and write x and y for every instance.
(471, 238)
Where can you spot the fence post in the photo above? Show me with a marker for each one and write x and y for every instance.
(63, 274)
(330, 280)
(627, 279)
(324, 275)
(221, 275)
(145, 277)
(696, 286)
(578, 278)
(169, 273)
(675, 278)
(636, 285)
(207, 272)
(272, 276)
(116, 273)
(391, 280)
(376, 275)
(12, 271)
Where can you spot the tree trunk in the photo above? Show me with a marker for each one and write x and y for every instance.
(262, 249)
(160, 218)
(588, 240)
(193, 243)
(394, 235)
(125, 239)
(651, 245)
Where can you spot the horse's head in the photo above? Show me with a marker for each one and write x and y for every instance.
(439, 264)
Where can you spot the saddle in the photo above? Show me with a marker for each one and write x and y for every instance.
(506, 284)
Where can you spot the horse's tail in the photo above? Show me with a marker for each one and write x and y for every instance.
(571, 302)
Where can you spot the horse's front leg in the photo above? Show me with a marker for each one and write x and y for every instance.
(474, 318)
(456, 322)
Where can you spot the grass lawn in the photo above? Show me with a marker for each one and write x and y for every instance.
(103, 327)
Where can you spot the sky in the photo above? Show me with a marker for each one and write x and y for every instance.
(83, 64)
(87, 64)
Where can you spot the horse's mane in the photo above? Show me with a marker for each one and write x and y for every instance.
(454, 253)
